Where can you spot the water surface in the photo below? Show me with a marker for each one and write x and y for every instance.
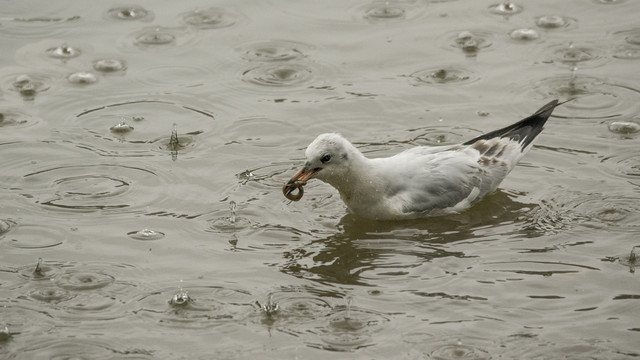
(143, 148)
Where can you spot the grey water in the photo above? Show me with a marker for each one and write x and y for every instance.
(143, 148)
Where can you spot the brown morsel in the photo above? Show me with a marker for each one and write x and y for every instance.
(288, 190)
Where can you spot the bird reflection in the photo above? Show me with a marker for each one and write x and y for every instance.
(363, 248)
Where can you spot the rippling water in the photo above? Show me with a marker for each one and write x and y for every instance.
(143, 147)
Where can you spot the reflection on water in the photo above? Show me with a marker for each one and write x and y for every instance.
(143, 148)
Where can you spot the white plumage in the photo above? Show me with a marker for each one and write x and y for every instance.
(422, 181)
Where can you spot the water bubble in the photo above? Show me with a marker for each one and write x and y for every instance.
(624, 127)
(129, 13)
(121, 128)
(471, 41)
(82, 78)
(525, 34)
(505, 8)
(63, 52)
(552, 21)
(212, 18)
(146, 235)
(28, 86)
(109, 65)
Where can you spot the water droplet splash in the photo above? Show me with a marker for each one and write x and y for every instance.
(129, 13)
(181, 298)
(146, 235)
(505, 8)
(270, 308)
(28, 87)
(109, 65)
(525, 34)
(63, 52)
(155, 37)
(444, 75)
(232, 209)
(212, 18)
(82, 78)
(37, 272)
(624, 127)
(121, 128)
(553, 21)
(5, 335)
(471, 41)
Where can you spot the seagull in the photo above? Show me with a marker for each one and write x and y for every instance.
(422, 181)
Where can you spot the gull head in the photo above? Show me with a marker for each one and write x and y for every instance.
(328, 158)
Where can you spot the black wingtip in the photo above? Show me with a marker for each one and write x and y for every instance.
(524, 130)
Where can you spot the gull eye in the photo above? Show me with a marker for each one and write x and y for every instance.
(325, 158)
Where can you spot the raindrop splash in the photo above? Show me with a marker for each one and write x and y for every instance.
(146, 235)
(270, 308)
(121, 128)
(232, 207)
(63, 52)
(82, 78)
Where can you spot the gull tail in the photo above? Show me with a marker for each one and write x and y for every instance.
(525, 130)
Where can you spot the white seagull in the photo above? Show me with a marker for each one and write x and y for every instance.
(422, 181)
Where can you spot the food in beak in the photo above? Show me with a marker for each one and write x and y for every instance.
(297, 182)
(288, 190)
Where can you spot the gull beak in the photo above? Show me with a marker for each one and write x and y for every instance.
(296, 182)
(303, 175)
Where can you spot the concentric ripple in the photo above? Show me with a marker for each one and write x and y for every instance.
(628, 47)
(79, 279)
(211, 18)
(28, 85)
(442, 75)
(195, 306)
(129, 13)
(158, 38)
(36, 236)
(16, 118)
(274, 50)
(37, 26)
(280, 75)
(458, 350)
(350, 328)
(86, 188)
(41, 270)
(76, 347)
(571, 209)
(625, 163)
(138, 128)
(595, 98)
(388, 11)
(573, 55)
